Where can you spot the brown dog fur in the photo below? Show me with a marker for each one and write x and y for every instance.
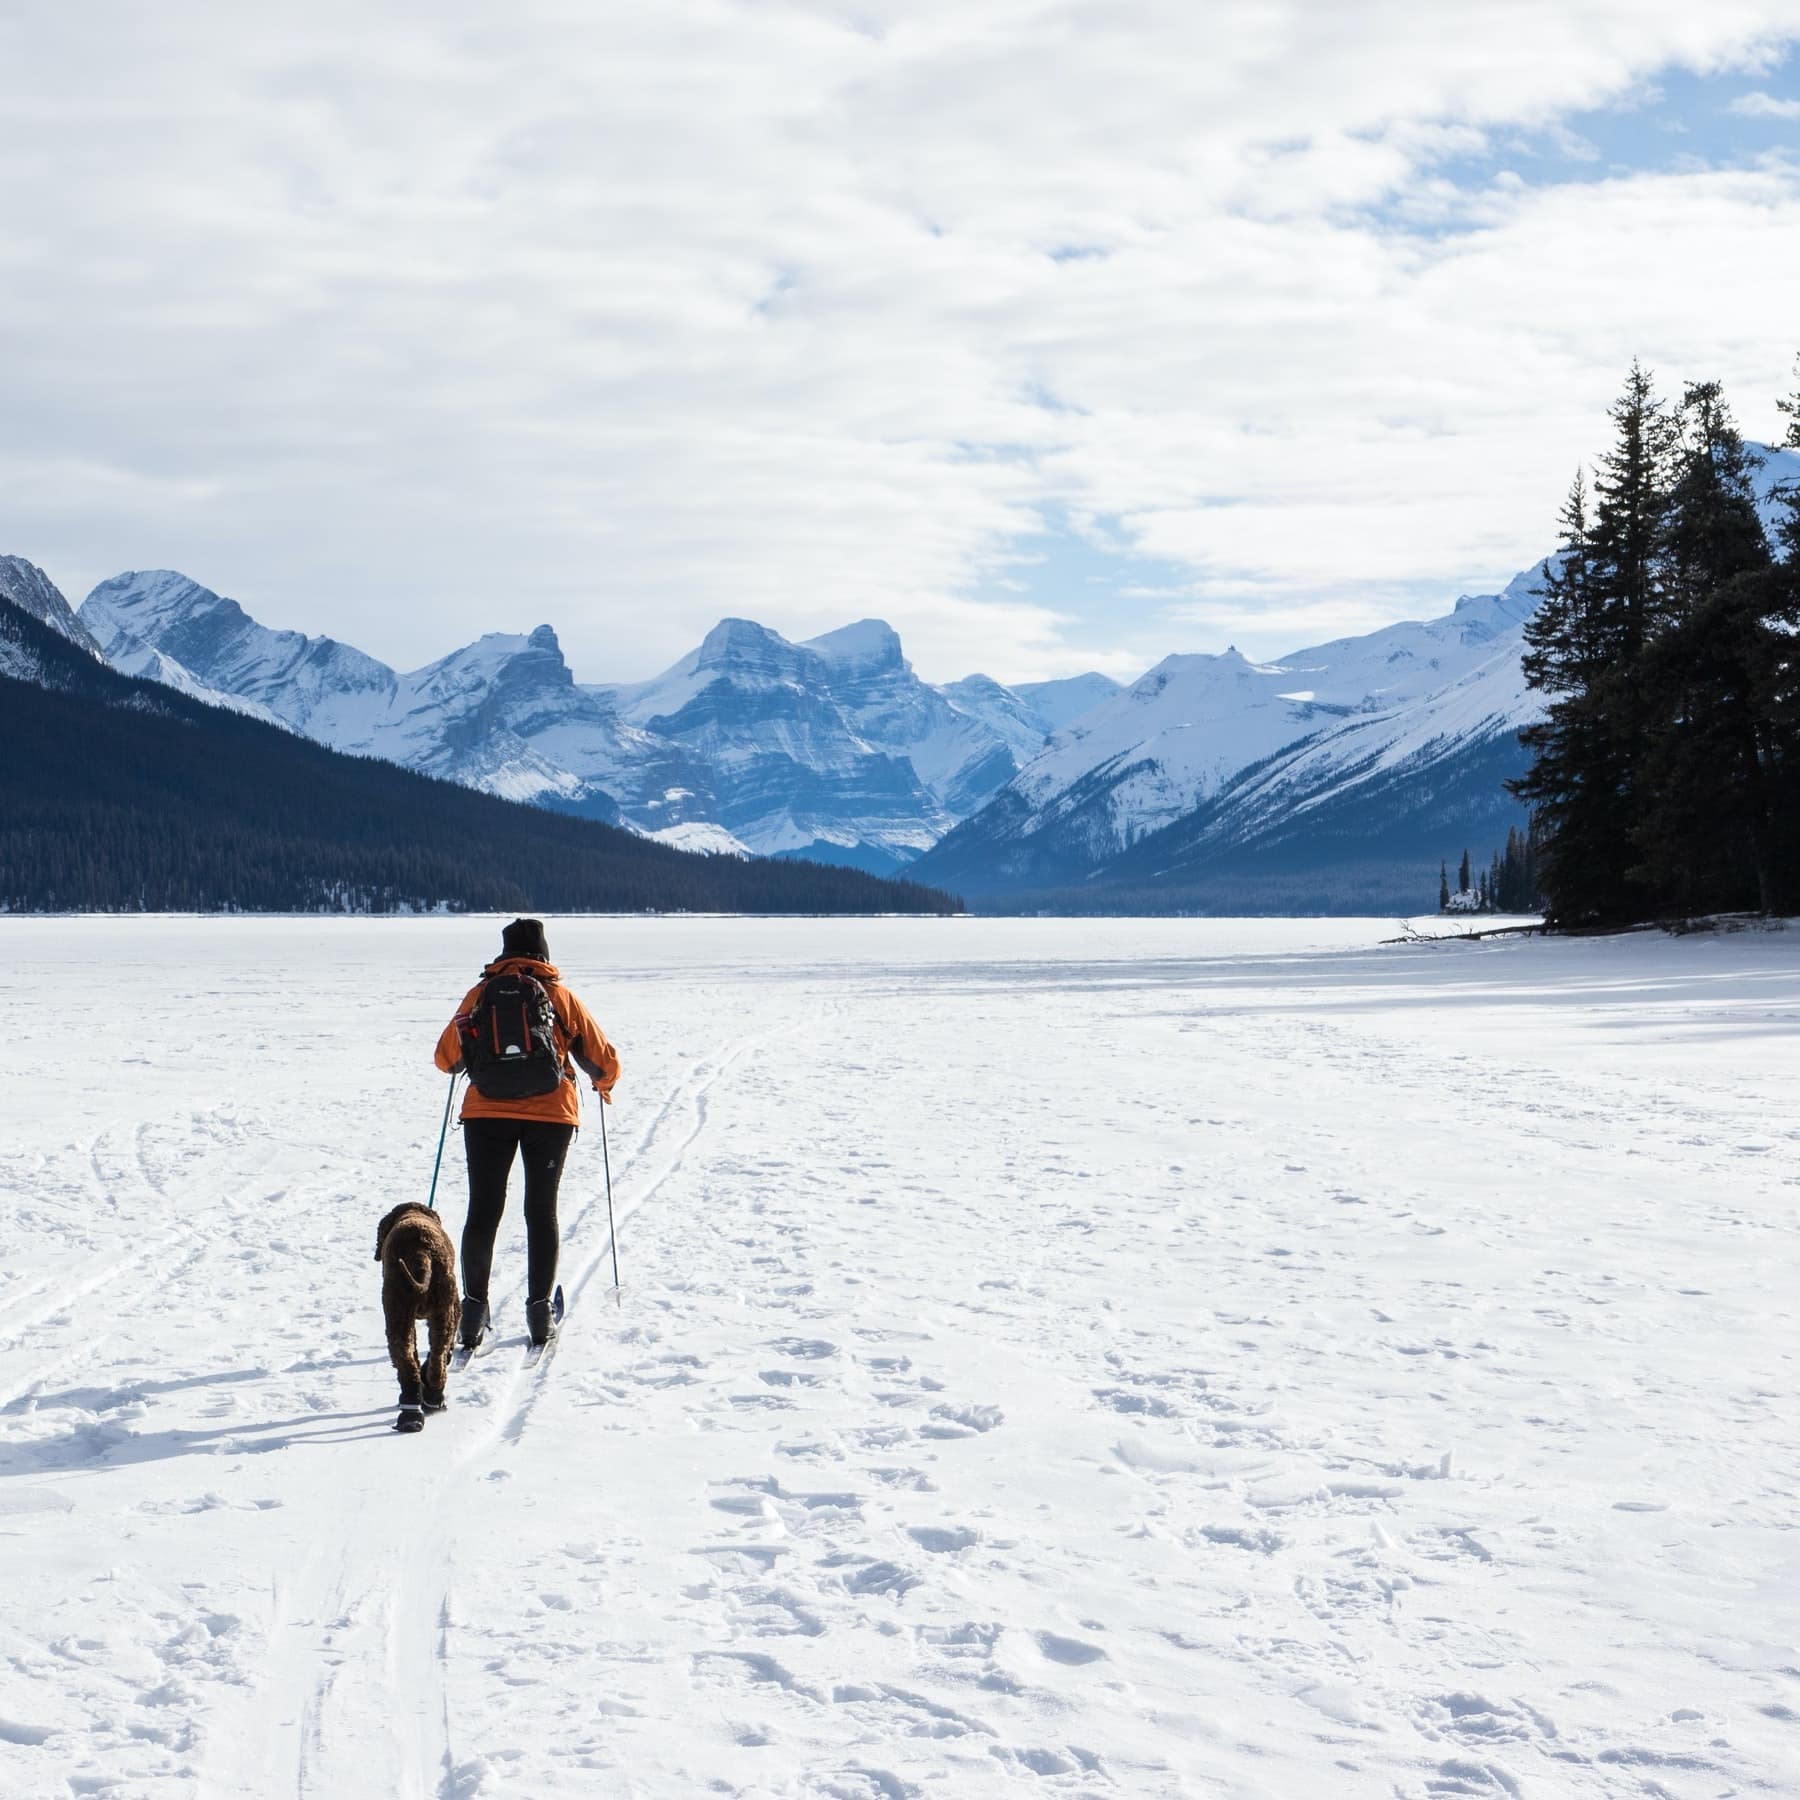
(418, 1281)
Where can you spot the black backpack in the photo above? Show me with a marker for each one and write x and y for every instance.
(509, 1039)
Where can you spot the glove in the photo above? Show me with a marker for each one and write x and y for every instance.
(605, 1095)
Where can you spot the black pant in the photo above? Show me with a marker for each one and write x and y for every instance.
(543, 1148)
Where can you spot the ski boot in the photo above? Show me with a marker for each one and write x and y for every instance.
(475, 1320)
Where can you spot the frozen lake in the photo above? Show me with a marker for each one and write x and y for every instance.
(1215, 1358)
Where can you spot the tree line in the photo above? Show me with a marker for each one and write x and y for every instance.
(1666, 772)
(120, 795)
(1510, 883)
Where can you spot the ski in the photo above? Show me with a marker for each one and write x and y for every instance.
(536, 1354)
(464, 1354)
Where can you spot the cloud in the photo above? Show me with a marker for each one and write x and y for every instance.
(1764, 106)
(408, 326)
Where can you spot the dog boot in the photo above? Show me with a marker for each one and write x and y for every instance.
(435, 1400)
(539, 1322)
(412, 1418)
(474, 1321)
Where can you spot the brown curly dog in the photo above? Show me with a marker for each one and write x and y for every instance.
(418, 1281)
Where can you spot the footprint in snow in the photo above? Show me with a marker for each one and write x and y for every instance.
(915, 1479)
(1125, 1401)
(942, 1540)
(864, 1577)
(1073, 1653)
(1236, 1538)
(961, 1421)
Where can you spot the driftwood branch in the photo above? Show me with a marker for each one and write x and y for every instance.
(1411, 934)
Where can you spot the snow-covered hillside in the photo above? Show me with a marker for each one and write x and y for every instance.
(1060, 703)
(1218, 749)
(33, 592)
(503, 714)
(314, 684)
(1358, 1374)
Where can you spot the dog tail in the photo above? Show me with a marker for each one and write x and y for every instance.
(421, 1278)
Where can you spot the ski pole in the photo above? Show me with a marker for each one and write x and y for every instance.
(444, 1132)
(611, 1227)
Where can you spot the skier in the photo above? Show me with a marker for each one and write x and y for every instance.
(514, 1035)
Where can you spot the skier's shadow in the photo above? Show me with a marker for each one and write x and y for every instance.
(109, 1441)
(104, 1445)
(119, 1393)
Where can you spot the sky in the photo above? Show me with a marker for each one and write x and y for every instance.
(1061, 334)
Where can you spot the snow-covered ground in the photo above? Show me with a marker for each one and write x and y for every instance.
(1160, 1358)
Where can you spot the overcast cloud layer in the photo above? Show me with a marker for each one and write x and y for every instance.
(414, 322)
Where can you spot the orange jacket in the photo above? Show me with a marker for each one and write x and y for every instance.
(577, 1036)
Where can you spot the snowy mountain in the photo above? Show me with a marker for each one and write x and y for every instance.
(788, 769)
(1353, 818)
(132, 654)
(1006, 712)
(33, 592)
(220, 646)
(1060, 703)
(833, 748)
(503, 714)
(1179, 738)
(1778, 477)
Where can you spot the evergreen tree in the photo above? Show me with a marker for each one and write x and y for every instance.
(1572, 783)
(1631, 511)
(1787, 530)
(1667, 767)
(1443, 887)
(1462, 877)
(1602, 599)
(1704, 829)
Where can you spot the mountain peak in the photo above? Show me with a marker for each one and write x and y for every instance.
(32, 591)
(977, 684)
(734, 634)
(544, 638)
(868, 642)
(156, 597)
(747, 649)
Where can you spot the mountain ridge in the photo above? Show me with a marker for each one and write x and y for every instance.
(832, 747)
(118, 793)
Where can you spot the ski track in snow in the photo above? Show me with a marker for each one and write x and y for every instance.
(1101, 1358)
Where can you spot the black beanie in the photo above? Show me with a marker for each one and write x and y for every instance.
(525, 937)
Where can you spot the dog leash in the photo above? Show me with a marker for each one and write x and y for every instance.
(443, 1132)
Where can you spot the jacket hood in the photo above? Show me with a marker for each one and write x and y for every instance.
(523, 965)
